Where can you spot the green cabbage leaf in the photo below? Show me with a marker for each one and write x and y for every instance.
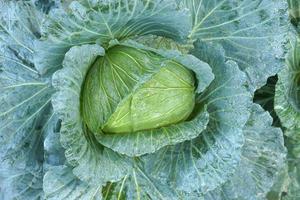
(248, 31)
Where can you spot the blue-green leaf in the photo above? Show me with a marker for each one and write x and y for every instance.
(104, 21)
(251, 32)
(263, 155)
(59, 183)
(138, 185)
(25, 108)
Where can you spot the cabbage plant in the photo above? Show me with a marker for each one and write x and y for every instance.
(139, 99)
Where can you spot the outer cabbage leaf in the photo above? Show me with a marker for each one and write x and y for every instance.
(204, 163)
(287, 94)
(22, 178)
(92, 162)
(103, 21)
(61, 184)
(25, 109)
(142, 142)
(138, 185)
(250, 31)
(263, 155)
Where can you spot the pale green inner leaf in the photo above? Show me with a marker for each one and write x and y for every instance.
(167, 98)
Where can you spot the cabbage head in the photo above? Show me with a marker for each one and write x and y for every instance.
(150, 91)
